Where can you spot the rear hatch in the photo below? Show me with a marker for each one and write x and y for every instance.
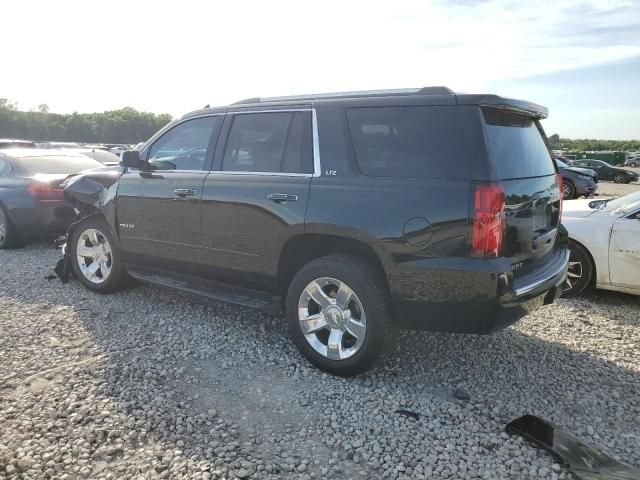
(526, 173)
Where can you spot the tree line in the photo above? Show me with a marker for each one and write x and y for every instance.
(591, 145)
(126, 125)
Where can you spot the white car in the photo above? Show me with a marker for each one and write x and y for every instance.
(605, 244)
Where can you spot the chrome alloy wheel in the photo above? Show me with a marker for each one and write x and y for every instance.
(94, 256)
(3, 227)
(332, 318)
(574, 273)
(566, 191)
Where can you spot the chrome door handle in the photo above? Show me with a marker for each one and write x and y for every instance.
(282, 197)
(185, 192)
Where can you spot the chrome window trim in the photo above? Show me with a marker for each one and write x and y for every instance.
(135, 170)
(317, 169)
(264, 174)
(315, 147)
(284, 110)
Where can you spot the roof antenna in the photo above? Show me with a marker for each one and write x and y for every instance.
(206, 106)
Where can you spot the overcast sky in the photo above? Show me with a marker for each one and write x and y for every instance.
(579, 58)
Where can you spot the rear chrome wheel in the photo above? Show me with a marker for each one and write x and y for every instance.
(94, 255)
(338, 314)
(332, 318)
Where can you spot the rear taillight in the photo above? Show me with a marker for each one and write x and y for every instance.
(488, 221)
(561, 198)
(45, 193)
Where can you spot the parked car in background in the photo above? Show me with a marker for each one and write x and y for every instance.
(15, 143)
(58, 145)
(31, 200)
(607, 171)
(633, 160)
(577, 182)
(605, 244)
(342, 210)
(103, 156)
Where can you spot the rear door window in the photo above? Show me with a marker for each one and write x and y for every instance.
(517, 145)
(274, 142)
(423, 141)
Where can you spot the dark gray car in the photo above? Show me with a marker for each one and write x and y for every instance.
(31, 203)
(577, 182)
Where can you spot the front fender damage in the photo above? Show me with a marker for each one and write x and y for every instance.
(91, 193)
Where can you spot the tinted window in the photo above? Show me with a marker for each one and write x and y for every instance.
(298, 156)
(431, 142)
(517, 145)
(269, 142)
(184, 147)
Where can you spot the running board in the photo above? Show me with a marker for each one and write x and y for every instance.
(211, 289)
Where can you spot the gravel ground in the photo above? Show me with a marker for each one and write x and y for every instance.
(611, 189)
(150, 383)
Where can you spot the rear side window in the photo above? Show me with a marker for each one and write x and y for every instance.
(429, 142)
(517, 145)
(278, 142)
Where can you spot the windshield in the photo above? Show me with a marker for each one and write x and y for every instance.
(561, 164)
(624, 204)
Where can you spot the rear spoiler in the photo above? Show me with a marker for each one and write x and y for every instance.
(529, 109)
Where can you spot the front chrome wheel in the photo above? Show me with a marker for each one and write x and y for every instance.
(574, 274)
(94, 255)
(332, 318)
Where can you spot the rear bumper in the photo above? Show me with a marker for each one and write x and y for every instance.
(473, 296)
(42, 220)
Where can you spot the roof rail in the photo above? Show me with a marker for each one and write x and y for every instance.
(247, 100)
(363, 93)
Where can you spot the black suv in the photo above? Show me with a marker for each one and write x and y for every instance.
(355, 212)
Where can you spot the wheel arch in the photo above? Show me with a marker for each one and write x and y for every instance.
(301, 249)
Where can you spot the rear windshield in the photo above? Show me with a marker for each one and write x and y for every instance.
(516, 145)
(428, 142)
(55, 164)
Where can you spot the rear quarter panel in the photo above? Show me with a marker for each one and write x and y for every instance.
(418, 227)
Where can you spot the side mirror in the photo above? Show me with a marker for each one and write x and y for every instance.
(131, 158)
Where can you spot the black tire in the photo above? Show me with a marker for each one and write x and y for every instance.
(368, 285)
(568, 190)
(620, 178)
(9, 237)
(633, 164)
(115, 280)
(580, 264)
